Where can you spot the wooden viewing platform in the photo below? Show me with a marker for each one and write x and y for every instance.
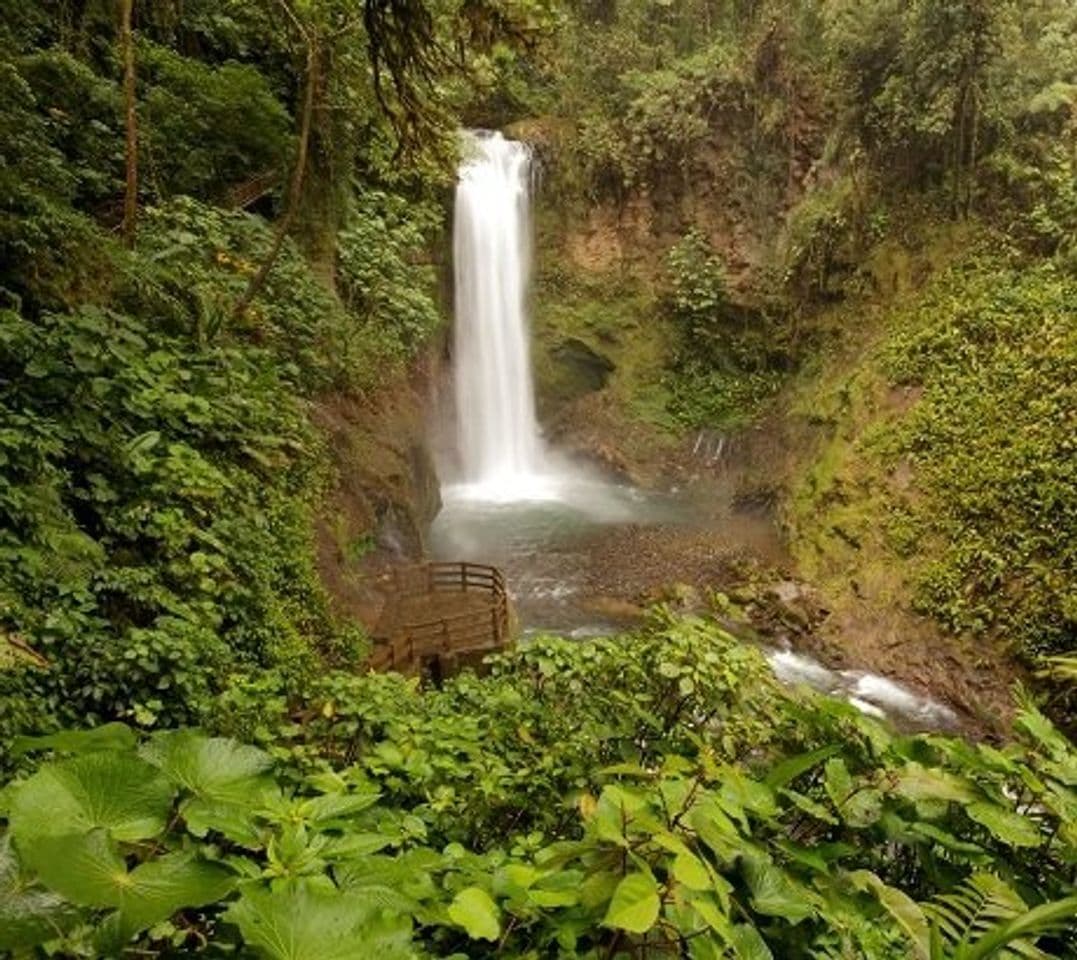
(438, 612)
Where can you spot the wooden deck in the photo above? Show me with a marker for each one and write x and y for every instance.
(438, 613)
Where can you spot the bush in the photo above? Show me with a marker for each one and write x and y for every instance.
(389, 294)
(728, 359)
(993, 348)
(208, 128)
(677, 802)
(156, 499)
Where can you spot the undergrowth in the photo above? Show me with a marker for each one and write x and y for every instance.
(629, 797)
(957, 431)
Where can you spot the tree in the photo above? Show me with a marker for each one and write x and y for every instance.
(130, 199)
(295, 189)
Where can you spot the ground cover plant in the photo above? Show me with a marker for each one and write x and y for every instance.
(397, 822)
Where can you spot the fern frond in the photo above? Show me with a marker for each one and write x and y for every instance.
(984, 919)
(1062, 669)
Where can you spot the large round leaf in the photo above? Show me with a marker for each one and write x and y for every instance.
(29, 914)
(300, 923)
(473, 910)
(113, 791)
(88, 870)
(212, 768)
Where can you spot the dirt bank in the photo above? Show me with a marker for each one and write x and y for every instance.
(385, 493)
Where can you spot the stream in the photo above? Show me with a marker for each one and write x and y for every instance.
(546, 548)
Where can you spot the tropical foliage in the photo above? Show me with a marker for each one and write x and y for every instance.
(697, 808)
(194, 764)
(159, 470)
(956, 429)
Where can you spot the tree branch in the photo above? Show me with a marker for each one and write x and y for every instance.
(295, 189)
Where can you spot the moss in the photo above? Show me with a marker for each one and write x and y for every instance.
(946, 479)
(612, 317)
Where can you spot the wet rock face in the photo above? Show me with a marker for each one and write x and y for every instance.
(384, 496)
(579, 370)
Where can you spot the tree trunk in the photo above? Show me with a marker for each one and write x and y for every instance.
(295, 189)
(130, 199)
(974, 150)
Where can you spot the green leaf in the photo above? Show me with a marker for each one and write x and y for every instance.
(787, 771)
(1030, 925)
(473, 910)
(917, 782)
(948, 840)
(110, 736)
(1009, 827)
(88, 870)
(809, 806)
(231, 820)
(906, 911)
(159, 888)
(336, 806)
(859, 804)
(84, 868)
(711, 914)
(29, 914)
(689, 870)
(356, 845)
(553, 898)
(635, 904)
(213, 769)
(838, 782)
(774, 893)
(749, 943)
(143, 443)
(863, 808)
(715, 829)
(305, 923)
(119, 793)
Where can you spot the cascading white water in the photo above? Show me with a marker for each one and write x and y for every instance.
(501, 450)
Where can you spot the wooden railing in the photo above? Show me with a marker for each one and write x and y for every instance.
(406, 642)
(252, 190)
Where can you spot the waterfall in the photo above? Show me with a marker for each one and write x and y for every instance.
(501, 451)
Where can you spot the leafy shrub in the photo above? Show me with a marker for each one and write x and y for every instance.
(701, 395)
(820, 834)
(698, 296)
(198, 261)
(993, 348)
(156, 498)
(49, 253)
(672, 111)
(82, 118)
(389, 294)
(728, 359)
(208, 128)
(821, 243)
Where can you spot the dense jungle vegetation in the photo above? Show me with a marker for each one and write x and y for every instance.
(215, 215)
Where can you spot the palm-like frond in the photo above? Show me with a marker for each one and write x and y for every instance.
(1061, 669)
(984, 918)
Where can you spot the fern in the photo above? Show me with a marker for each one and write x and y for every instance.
(1062, 669)
(985, 918)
